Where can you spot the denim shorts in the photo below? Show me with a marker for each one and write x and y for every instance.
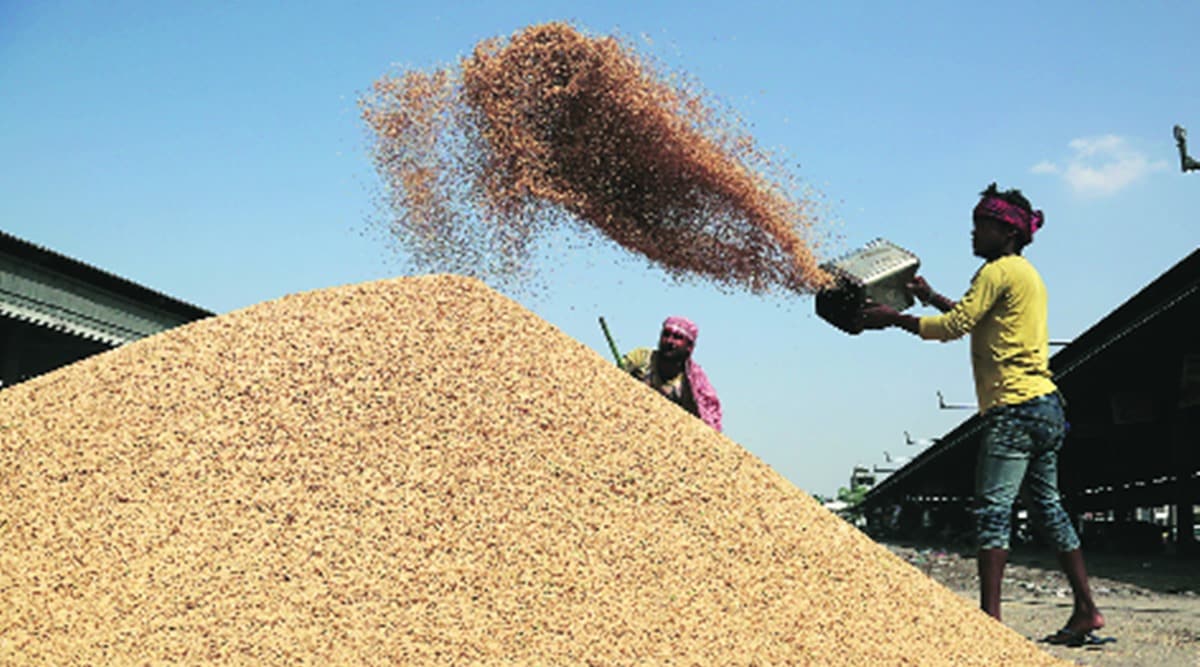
(1019, 454)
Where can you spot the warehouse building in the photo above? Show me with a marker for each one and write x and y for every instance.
(55, 310)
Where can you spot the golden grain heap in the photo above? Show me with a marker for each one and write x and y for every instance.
(420, 471)
(477, 160)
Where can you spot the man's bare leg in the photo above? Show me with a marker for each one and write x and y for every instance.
(991, 572)
(1085, 616)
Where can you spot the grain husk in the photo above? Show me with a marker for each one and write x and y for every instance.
(421, 471)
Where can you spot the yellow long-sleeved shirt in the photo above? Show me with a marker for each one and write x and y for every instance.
(1004, 310)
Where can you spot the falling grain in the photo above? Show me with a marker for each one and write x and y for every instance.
(480, 159)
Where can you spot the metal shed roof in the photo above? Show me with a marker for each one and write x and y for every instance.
(53, 291)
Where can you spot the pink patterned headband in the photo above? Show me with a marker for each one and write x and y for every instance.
(996, 208)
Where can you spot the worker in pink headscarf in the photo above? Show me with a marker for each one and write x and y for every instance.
(671, 370)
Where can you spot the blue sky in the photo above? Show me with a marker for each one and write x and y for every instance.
(214, 152)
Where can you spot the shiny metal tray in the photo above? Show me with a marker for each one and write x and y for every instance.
(879, 272)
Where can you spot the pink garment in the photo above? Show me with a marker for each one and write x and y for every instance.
(708, 406)
(999, 209)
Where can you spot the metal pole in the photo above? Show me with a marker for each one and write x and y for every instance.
(1186, 163)
(612, 345)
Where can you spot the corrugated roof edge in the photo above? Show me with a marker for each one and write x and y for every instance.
(1160, 294)
(50, 259)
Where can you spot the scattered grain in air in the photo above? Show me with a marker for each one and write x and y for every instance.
(421, 471)
(551, 126)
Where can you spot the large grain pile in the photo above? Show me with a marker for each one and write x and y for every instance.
(421, 471)
(479, 159)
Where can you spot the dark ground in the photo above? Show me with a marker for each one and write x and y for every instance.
(1151, 603)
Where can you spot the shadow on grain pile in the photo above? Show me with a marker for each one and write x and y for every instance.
(420, 470)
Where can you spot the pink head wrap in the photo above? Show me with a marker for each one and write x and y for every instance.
(996, 208)
(682, 325)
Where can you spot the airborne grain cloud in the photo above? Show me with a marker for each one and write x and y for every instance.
(551, 125)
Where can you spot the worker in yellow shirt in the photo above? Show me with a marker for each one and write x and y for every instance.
(1024, 425)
